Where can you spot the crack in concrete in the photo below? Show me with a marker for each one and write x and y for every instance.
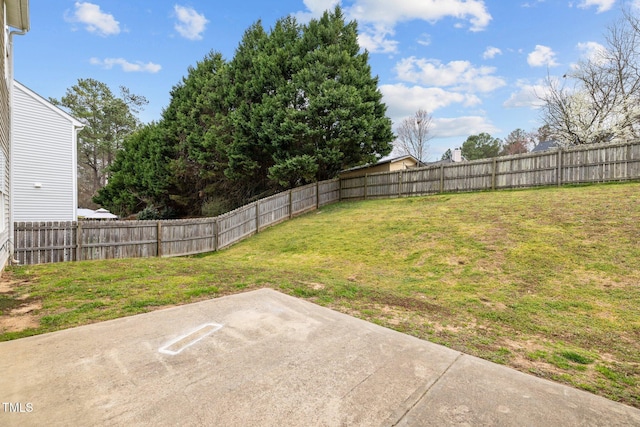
(427, 390)
(363, 381)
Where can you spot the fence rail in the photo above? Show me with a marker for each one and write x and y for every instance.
(46, 242)
(574, 165)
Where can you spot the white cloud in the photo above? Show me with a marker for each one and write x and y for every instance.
(94, 19)
(458, 75)
(402, 100)
(191, 24)
(527, 96)
(593, 51)
(461, 127)
(425, 39)
(602, 5)
(126, 66)
(491, 52)
(315, 9)
(391, 13)
(532, 4)
(375, 40)
(377, 18)
(542, 56)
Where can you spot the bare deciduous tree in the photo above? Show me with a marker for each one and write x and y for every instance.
(414, 134)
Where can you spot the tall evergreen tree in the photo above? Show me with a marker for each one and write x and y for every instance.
(260, 88)
(336, 118)
(176, 165)
(140, 175)
(295, 105)
(195, 125)
(306, 104)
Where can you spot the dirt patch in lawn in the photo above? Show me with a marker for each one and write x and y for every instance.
(17, 311)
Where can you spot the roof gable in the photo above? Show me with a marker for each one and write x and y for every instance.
(75, 122)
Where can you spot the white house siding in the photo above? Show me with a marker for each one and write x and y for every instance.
(5, 120)
(44, 160)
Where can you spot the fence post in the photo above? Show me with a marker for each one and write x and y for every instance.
(627, 160)
(257, 216)
(493, 174)
(366, 181)
(16, 245)
(317, 195)
(79, 241)
(290, 204)
(559, 172)
(400, 184)
(215, 234)
(442, 178)
(159, 239)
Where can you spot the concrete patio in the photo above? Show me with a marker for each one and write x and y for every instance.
(266, 359)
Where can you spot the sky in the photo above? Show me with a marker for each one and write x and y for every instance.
(475, 66)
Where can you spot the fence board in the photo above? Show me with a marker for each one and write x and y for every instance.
(237, 225)
(328, 192)
(423, 181)
(383, 185)
(468, 176)
(352, 188)
(274, 209)
(44, 242)
(528, 170)
(188, 237)
(304, 199)
(118, 239)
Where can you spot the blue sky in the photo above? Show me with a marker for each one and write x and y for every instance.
(474, 65)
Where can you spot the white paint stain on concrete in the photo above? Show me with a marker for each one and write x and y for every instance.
(177, 345)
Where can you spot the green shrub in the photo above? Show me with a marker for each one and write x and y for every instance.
(148, 213)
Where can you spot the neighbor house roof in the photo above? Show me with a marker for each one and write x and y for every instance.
(544, 146)
(18, 14)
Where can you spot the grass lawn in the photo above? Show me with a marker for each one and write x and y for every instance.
(546, 281)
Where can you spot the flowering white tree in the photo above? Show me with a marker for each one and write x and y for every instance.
(599, 99)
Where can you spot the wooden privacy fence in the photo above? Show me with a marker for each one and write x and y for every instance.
(44, 242)
(575, 165)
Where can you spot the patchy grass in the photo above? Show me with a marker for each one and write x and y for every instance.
(546, 281)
